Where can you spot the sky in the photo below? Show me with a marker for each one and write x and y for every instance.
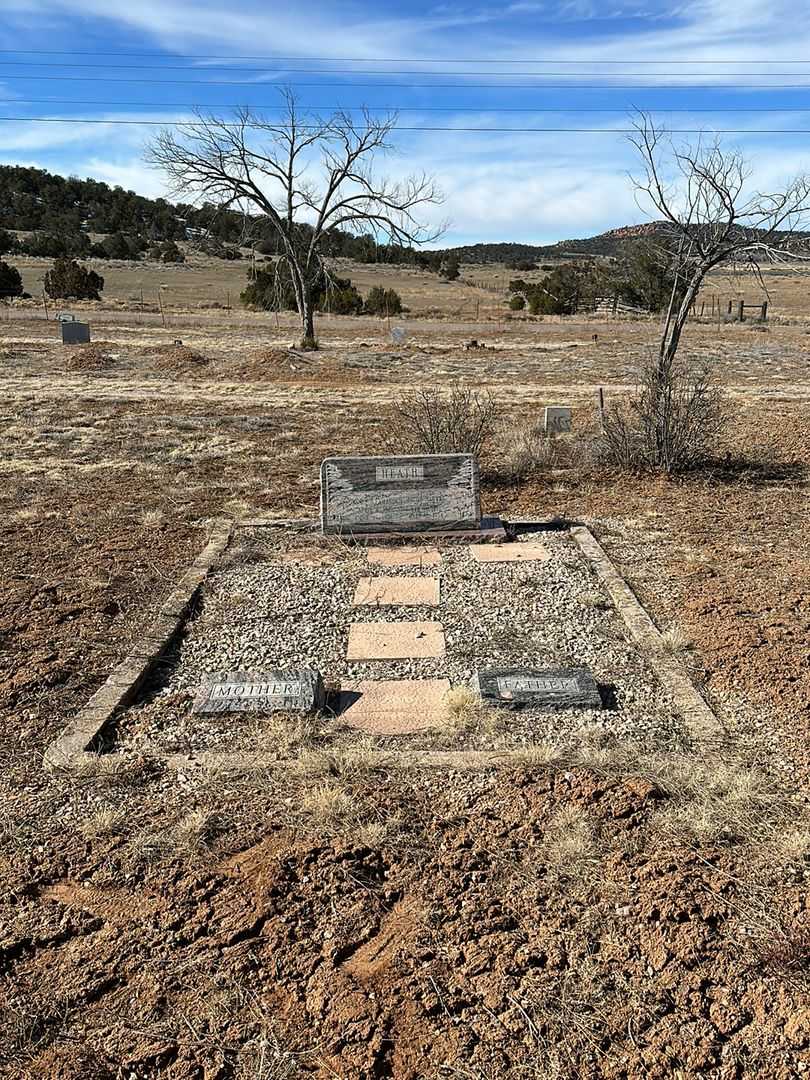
(562, 75)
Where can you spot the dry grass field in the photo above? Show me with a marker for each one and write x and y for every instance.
(597, 909)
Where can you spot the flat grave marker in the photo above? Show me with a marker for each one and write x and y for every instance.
(554, 688)
(75, 333)
(400, 591)
(512, 552)
(557, 420)
(393, 706)
(300, 690)
(414, 493)
(403, 556)
(395, 641)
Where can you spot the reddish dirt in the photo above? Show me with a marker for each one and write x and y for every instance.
(459, 947)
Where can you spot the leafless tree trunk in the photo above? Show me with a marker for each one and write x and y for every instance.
(708, 219)
(303, 170)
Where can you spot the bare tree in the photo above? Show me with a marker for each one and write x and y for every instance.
(307, 175)
(709, 218)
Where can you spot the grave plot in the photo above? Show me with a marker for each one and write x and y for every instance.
(417, 665)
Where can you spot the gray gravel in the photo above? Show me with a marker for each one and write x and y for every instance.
(273, 612)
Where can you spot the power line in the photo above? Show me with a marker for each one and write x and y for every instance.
(402, 71)
(460, 130)
(402, 108)
(415, 86)
(379, 60)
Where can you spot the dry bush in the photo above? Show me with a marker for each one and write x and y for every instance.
(429, 422)
(526, 449)
(670, 424)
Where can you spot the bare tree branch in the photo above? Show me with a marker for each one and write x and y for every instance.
(270, 168)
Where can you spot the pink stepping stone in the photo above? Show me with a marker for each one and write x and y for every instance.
(404, 556)
(405, 591)
(395, 641)
(394, 706)
(515, 552)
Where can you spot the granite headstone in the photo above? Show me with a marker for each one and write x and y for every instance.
(555, 688)
(300, 690)
(409, 494)
(75, 333)
(557, 419)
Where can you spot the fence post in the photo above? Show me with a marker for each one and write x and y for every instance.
(741, 310)
(730, 305)
(600, 400)
(764, 311)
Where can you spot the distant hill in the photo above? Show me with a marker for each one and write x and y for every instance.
(605, 244)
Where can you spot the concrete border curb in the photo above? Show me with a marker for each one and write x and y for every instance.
(70, 749)
(701, 721)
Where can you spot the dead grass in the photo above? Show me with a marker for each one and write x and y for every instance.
(195, 831)
(106, 821)
(569, 844)
(675, 641)
(328, 805)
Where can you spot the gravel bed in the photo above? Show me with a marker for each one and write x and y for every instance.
(272, 611)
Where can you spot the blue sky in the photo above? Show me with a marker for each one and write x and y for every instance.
(450, 65)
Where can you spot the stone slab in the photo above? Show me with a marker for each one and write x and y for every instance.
(395, 641)
(404, 556)
(553, 688)
(401, 591)
(300, 690)
(414, 493)
(75, 333)
(514, 552)
(557, 420)
(394, 706)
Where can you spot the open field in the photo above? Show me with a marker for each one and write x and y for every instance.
(613, 904)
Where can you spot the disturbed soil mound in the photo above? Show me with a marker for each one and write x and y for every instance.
(97, 356)
(176, 358)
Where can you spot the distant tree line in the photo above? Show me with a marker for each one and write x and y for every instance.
(270, 288)
(642, 276)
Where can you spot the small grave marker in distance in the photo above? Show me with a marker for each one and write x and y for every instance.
(555, 688)
(412, 493)
(557, 419)
(301, 690)
(75, 333)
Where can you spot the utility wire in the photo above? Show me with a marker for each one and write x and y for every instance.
(461, 130)
(402, 71)
(378, 60)
(283, 84)
(397, 108)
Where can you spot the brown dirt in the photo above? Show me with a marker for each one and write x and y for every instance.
(437, 931)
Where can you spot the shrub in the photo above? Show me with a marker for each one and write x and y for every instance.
(271, 289)
(10, 281)
(428, 422)
(7, 242)
(340, 298)
(68, 280)
(517, 303)
(167, 252)
(670, 424)
(449, 269)
(383, 302)
(526, 450)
